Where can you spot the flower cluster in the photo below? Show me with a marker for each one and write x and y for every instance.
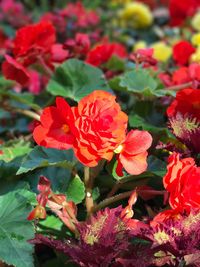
(95, 129)
(33, 44)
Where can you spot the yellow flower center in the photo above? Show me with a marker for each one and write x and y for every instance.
(118, 149)
(65, 128)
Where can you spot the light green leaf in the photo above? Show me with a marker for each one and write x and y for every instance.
(76, 79)
(76, 190)
(13, 149)
(15, 231)
(139, 81)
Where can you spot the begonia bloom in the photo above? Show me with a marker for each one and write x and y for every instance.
(182, 181)
(182, 52)
(101, 127)
(13, 70)
(133, 152)
(34, 40)
(192, 108)
(103, 52)
(55, 129)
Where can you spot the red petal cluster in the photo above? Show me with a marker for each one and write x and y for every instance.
(94, 129)
(34, 40)
(103, 52)
(56, 126)
(133, 152)
(102, 126)
(34, 43)
(180, 10)
(182, 52)
(182, 181)
(189, 96)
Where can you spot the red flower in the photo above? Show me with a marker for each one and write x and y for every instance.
(15, 71)
(182, 181)
(58, 53)
(101, 127)
(34, 40)
(180, 10)
(55, 130)
(182, 52)
(79, 46)
(80, 16)
(133, 152)
(144, 56)
(187, 101)
(181, 75)
(103, 52)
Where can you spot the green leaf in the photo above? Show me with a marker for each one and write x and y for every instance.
(156, 166)
(46, 157)
(23, 98)
(76, 190)
(5, 84)
(15, 231)
(115, 64)
(138, 81)
(13, 149)
(51, 223)
(141, 82)
(138, 122)
(75, 79)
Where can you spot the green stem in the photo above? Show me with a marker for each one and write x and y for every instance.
(88, 180)
(111, 200)
(178, 87)
(27, 113)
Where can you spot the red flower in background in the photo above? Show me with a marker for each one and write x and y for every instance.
(181, 75)
(56, 129)
(182, 181)
(34, 41)
(182, 52)
(187, 101)
(133, 152)
(180, 10)
(103, 52)
(80, 16)
(101, 127)
(79, 46)
(15, 71)
(13, 12)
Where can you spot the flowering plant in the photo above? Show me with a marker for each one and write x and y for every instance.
(100, 133)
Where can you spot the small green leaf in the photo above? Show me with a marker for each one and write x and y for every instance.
(51, 223)
(76, 190)
(46, 157)
(138, 122)
(4, 83)
(156, 166)
(13, 149)
(15, 231)
(139, 81)
(75, 79)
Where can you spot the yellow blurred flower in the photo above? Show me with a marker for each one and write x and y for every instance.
(118, 2)
(196, 39)
(196, 56)
(139, 45)
(136, 15)
(195, 22)
(162, 51)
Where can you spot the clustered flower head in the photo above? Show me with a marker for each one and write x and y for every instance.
(95, 129)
